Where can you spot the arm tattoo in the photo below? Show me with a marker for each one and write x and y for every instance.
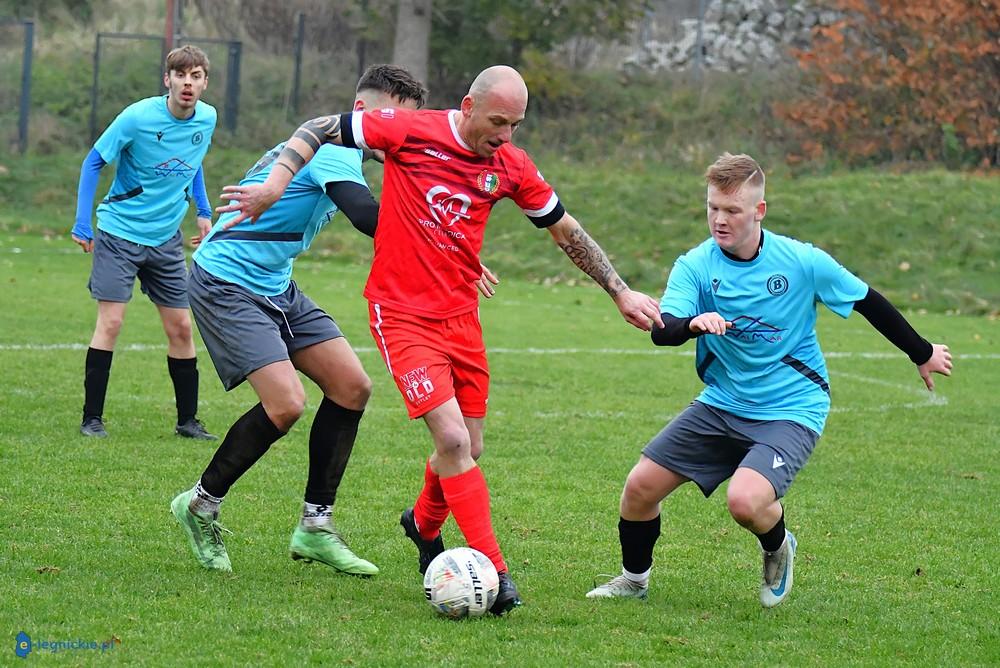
(281, 164)
(291, 160)
(589, 257)
(309, 138)
(326, 128)
(294, 156)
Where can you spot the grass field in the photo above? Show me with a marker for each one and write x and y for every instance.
(927, 239)
(895, 513)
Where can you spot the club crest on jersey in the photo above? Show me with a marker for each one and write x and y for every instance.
(417, 385)
(777, 285)
(488, 181)
(448, 208)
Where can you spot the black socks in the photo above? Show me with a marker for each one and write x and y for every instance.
(184, 374)
(773, 539)
(95, 381)
(246, 442)
(638, 539)
(330, 443)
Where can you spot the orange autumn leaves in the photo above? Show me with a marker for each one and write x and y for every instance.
(901, 80)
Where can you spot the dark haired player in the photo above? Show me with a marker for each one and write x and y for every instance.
(159, 143)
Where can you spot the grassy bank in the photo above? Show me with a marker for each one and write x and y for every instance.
(928, 240)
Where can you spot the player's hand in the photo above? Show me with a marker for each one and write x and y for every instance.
(249, 201)
(638, 309)
(486, 282)
(710, 323)
(940, 362)
(204, 227)
(86, 244)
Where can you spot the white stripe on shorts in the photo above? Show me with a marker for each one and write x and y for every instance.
(378, 330)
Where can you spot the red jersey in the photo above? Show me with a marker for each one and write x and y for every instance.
(436, 197)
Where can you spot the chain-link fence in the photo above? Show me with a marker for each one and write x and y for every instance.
(289, 66)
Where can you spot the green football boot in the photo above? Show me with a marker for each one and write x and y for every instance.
(324, 544)
(204, 534)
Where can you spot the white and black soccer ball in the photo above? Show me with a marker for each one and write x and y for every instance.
(461, 582)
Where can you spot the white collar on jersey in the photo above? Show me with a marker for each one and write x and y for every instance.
(453, 122)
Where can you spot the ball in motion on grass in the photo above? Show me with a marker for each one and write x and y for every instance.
(461, 582)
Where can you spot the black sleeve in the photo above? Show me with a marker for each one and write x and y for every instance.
(674, 332)
(347, 131)
(893, 326)
(357, 203)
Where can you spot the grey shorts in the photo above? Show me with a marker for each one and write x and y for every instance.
(161, 270)
(244, 331)
(708, 444)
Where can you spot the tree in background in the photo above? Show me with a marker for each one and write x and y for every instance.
(468, 35)
(902, 80)
(411, 47)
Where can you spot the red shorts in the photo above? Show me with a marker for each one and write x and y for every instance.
(433, 360)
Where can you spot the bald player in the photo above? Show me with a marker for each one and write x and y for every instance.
(444, 172)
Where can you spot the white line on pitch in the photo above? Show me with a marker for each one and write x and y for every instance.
(836, 354)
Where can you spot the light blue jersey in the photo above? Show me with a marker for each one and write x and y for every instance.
(259, 255)
(158, 156)
(769, 365)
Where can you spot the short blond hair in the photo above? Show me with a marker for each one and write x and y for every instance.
(731, 172)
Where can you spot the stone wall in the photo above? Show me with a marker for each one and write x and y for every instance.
(736, 36)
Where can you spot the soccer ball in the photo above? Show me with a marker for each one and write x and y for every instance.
(461, 582)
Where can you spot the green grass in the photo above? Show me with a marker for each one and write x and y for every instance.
(895, 513)
(928, 240)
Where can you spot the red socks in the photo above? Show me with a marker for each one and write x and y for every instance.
(468, 497)
(430, 510)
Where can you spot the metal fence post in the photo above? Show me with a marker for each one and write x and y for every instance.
(93, 89)
(233, 85)
(22, 126)
(297, 75)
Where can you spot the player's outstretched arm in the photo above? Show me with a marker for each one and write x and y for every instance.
(251, 200)
(890, 323)
(637, 309)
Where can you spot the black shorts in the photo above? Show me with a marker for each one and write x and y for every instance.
(244, 331)
(708, 444)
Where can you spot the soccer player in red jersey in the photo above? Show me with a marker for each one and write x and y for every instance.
(444, 171)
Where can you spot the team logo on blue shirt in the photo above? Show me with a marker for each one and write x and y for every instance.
(777, 285)
(749, 328)
(196, 138)
(173, 167)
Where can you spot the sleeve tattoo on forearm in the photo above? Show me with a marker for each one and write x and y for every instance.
(589, 257)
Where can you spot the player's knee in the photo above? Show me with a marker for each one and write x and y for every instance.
(110, 326)
(476, 450)
(359, 391)
(179, 332)
(453, 441)
(639, 492)
(743, 506)
(287, 410)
